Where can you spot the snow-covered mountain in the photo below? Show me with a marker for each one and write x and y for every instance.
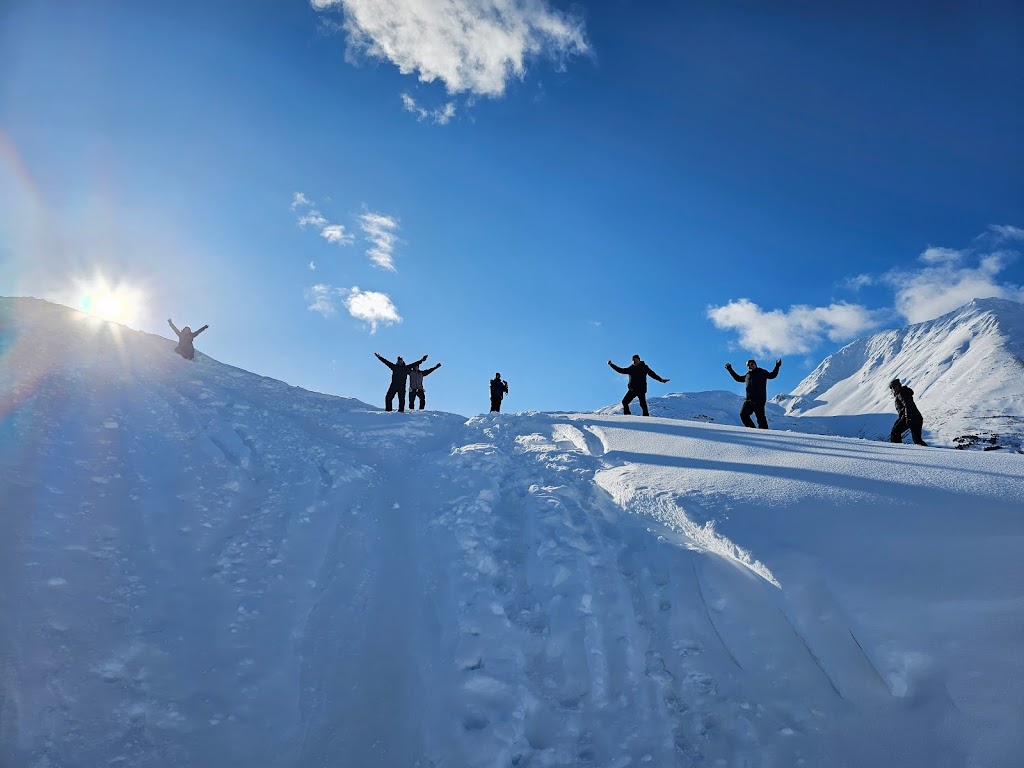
(966, 369)
(203, 567)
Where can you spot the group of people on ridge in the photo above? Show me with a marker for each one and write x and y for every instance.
(410, 375)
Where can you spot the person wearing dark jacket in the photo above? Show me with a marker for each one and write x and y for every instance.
(757, 391)
(499, 388)
(638, 373)
(416, 385)
(185, 336)
(909, 417)
(399, 377)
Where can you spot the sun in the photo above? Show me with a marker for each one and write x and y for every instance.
(118, 303)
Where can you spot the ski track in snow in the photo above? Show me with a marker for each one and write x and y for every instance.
(204, 567)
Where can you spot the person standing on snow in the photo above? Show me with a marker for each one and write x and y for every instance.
(638, 373)
(416, 385)
(185, 336)
(909, 417)
(399, 377)
(757, 391)
(499, 388)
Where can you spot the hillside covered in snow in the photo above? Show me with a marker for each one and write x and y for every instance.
(204, 567)
(966, 369)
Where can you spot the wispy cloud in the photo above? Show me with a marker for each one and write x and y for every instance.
(335, 233)
(380, 231)
(471, 46)
(1006, 232)
(944, 283)
(312, 266)
(312, 218)
(370, 307)
(309, 216)
(323, 299)
(797, 330)
(440, 116)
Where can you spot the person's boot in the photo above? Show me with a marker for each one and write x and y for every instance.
(625, 411)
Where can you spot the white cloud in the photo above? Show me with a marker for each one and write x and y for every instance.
(941, 256)
(859, 281)
(313, 217)
(942, 286)
(335, 233)
(440, 116)
(380, 231)
(474, 46)
(1004, 232)
(323, 299)
(372, 307)
(796, 331)
(312, 266)
(299, 199)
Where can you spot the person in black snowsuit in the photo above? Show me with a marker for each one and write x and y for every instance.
(757, 391)
(185, 336)
(638, 373)
(416, 385)
(499, 388)
(399, 377)
(909, 417)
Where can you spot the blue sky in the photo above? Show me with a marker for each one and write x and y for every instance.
(532, 193)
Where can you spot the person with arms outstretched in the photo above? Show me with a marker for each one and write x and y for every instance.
(185, 336)
(756, 380)
(638, 373)
(416, 385)
(909, 416)
(499, 388)
(399, 377)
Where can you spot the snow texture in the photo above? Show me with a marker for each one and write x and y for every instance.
(203, 567)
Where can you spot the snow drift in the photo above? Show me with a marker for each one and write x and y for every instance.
(204, 567)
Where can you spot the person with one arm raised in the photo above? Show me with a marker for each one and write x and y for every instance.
(638, 373)
(416, 389)
(399, 377)
(756, 380)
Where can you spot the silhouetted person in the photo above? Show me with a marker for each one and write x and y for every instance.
(909, 417)
(757, 391)
(638, 373)
(185, 336)
(399, 376)
(499, 388)
(416, 385)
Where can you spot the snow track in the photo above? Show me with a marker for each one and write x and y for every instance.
(203, 567)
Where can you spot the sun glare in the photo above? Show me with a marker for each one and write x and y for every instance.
(117, 303)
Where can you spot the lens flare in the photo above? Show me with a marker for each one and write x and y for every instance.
(120, 304)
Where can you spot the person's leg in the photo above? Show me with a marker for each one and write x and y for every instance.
(389, 398)
(626, 401)
(762, 420)
(423, 399)
(896, 435)
(495, 404)
(745, 411)
(915, 431)
(401, 400)
(642, 397)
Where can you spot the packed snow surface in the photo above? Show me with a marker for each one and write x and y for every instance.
(203, 567)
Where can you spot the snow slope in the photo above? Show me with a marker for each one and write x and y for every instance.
(966, 369)
(204, 567)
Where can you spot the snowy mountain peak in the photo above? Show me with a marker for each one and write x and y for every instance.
(966, 368)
